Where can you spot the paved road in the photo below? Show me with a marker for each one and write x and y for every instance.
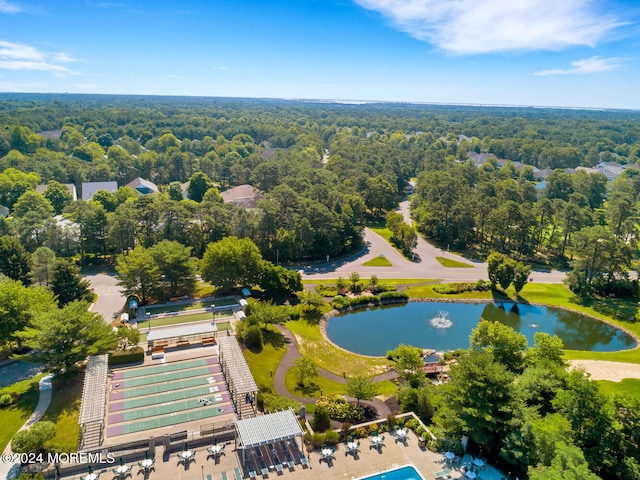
(110, 299)
(424, 266)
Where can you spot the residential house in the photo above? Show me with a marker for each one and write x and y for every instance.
(70, 186)
(242, 196)
(90, 188)
(142, 186)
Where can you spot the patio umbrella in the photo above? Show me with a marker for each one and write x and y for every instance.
(121, 461)
(215, 440)
(90, 469)
(186, 446)
(146, 455)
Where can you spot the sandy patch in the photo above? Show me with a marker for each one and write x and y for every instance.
(604, 370)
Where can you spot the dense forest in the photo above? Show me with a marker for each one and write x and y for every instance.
(325, 170)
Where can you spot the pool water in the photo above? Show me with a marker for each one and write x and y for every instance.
(407, 472)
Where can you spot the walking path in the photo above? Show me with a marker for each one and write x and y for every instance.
(605, 370)
(10, 470)
(288, 362)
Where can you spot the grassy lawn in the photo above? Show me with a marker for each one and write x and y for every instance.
(426, 291)
(386, 281)
(379, 261)
(331, 358)
(384, 232)
(13, 417)
(264, 362)
(64, 411)
(628, 386)
(448, 262)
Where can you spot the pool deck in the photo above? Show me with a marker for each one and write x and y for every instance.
(369, 461)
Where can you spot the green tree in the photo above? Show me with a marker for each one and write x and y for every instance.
(310, 301)
(199, 183)
(505, 344)
(14, 260)
(409, 362)
(361, 388)
(277, 281)
(175, 192)
(354, 278)
(232, 261)
(62, 337)
(546, 348)
(177, 267)
(107, 199)
(568, 464)
(305, 369)
(520, 276)
(478, 401)
(138, 274)
(420, 400)
(19, 305)
(58, 195)
(33, 439)
(42, 264)
(67, 284)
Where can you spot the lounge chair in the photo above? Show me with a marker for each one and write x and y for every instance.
(263, 469)
(303, 461)
(223, 475)
(252, 471)
(289, 461)
(236, 474)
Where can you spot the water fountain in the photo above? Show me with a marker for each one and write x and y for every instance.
(441, 320)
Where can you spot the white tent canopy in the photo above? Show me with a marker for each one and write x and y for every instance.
(267, 429)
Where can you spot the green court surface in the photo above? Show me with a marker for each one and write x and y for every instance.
(184, 307)
(171, 396)
(167, 367)
(173, 419)
(166, 409)
(166, 387)
(168, 377)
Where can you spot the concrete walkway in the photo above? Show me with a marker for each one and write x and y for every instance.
(11, 470)
(288, 362)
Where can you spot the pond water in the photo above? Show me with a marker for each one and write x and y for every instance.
(447, 326)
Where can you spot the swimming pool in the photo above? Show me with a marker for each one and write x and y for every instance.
(408, 472)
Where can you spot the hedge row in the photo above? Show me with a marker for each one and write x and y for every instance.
(118, 357)
(342, 303)
(453, 288)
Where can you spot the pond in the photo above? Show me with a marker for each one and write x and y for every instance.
(447, 326)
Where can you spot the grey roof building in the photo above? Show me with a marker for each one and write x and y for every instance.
(90, 188)
(143, 186)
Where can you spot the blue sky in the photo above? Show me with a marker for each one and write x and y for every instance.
(574, 53)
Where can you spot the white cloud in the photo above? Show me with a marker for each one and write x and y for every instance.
(484, 26)
(586, 66)
(171, 75)
(18, 56)
(8, 7)
(84, 86)
(219, 67)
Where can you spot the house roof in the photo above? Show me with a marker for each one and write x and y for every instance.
(70, 186)
(242, 196)
(90, 188)
(143, 186)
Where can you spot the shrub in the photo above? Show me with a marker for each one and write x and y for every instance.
(253, 338)
(5, 400)
(326, 290)
(321, 419)
(120, 357)
(341, 410)
(339, 302)
(461, 287)
(393, 296)
(362, 301)
(32, 440)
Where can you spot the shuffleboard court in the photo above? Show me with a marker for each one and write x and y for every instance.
(169, 420)
(169, 376)
(218, 387)
(165, 367)
(166, 409)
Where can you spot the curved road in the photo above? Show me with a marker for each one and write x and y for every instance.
(425, 265)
